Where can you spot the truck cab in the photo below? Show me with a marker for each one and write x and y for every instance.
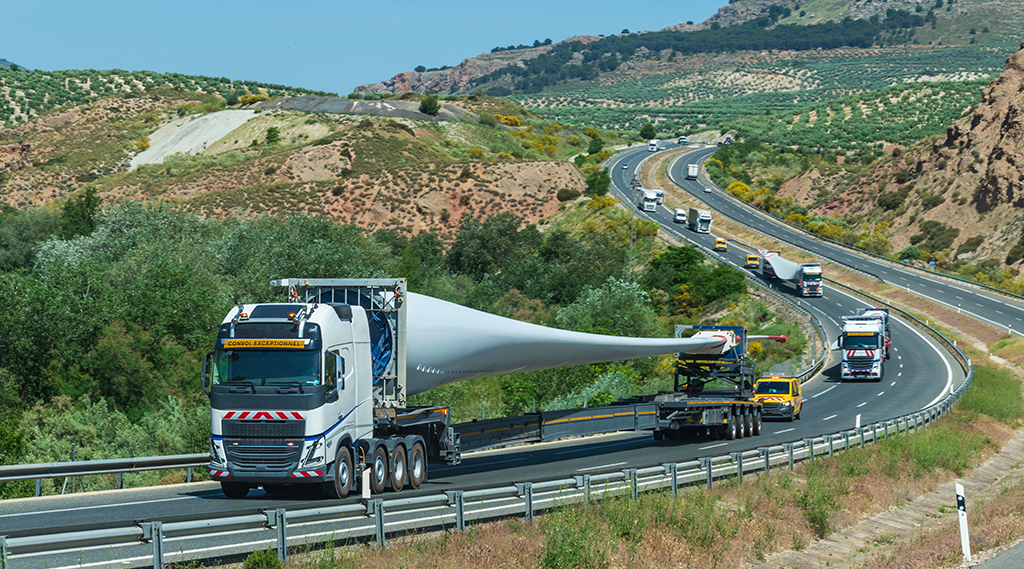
(648, 201)
(780, 397)
(809, 282)
(720, 244)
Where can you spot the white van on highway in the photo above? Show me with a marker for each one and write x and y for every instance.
(679, 216)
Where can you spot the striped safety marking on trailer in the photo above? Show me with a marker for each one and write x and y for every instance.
(270, 415)
(307, 474)
(223, 473)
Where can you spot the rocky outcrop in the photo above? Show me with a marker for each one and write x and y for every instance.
(14, 157)
(991, 142)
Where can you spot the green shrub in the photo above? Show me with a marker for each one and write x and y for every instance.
(566, 194)
(970, 245)
(909, 253)
(265, 559)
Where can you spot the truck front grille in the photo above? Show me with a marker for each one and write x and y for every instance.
(860, 362)
(236, 429)
(264, 458)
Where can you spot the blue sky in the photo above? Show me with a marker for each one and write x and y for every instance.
(329, 46)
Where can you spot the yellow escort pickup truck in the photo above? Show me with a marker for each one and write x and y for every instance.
(780, 397)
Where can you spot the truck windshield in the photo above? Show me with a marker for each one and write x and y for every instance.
(860, 342)
(772, 388)
(812, 278)
(262, 367)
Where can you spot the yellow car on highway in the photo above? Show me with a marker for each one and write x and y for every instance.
(752, 262)
(780, 397)
(720, 244)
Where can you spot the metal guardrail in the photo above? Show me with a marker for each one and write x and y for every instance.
(453, 509)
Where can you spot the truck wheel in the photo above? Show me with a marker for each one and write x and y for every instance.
(741, 426)
(748, 425)
(658, 435)
(730, 429)
(398, 469)
(235, 489)
(417, 466)
(342, 483)
(757, 423)
(379, 470)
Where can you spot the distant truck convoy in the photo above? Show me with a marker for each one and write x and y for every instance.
(692, 170)
(699, 220)
(648, 200)
(652, 145)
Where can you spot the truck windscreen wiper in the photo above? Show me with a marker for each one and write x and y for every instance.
(286, 387)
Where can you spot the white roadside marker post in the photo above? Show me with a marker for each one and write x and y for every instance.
(961, 507)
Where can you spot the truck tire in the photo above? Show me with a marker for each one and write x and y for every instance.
(748, 425)
(757, 423)
(342, 483)
(235, 489)
(658, 435)
(730, 429)
(398, 468)
(417, 466)
(741, 426)
(379, 470)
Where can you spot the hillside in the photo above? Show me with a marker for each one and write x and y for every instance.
(379, 172)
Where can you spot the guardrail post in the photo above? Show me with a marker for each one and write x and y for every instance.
(120, 480)
(3, 552)
(278, 518)
(456, 497)
(705, 463)
(874, 434)
(860, 434)
(809, 443)
(154, 532)
(188, 477)
(764, 452)
(846, 440)
(39, 487)
(672, 469)
(788, 447)
(375, 508)
(831, 449)
(737, 457)
(584, 482)
(525, 490)
(633, 483)
(885, 430)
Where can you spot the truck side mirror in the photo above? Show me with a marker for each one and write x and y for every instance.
(835, 345)
(205, 380)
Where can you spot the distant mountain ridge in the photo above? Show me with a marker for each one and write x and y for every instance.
(5, 63)
(922, 22)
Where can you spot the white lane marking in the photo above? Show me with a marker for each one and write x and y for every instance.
(895, 349)
(892, 384)
(707, 447)
(830, 417)
(880, 393)
(784, 431)
(899, 374)
(603, 466)
(824, 392)
(899, 358)
(862, 404)
(959, 297)
(1000, 312)
(93, 507)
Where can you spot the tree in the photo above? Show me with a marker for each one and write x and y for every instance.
(429, 105)
(77, 216)
(647, 131)
(596, 145)
(273, 135)
(420, 69)
(598, 182)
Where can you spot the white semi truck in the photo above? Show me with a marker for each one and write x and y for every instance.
(862, 343)
(313, 390)
(692, 170)
(699, 220)
(806, 276)
(652, 145)
(648, 200)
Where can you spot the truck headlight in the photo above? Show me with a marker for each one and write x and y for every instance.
(787, 403)
(313, 454)
(217, 453)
